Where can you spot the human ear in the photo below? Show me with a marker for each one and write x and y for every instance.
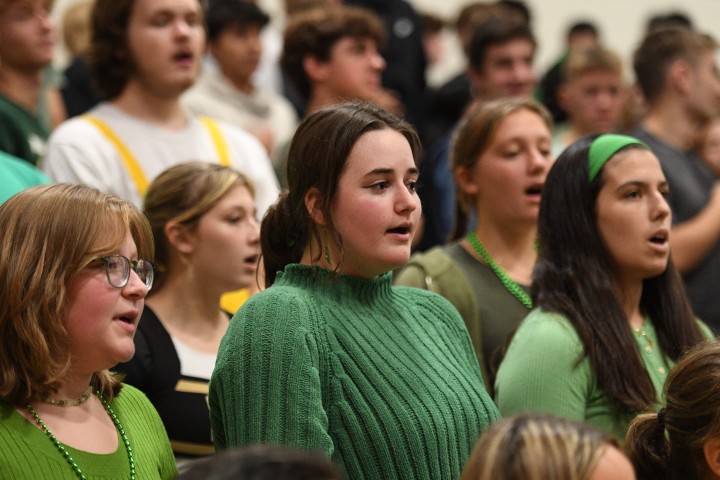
(314, 68)
(681, 75)
(179, 237)
(711, 449)
(465, 180)
(477, 81)
(312, 204)
(562, 96)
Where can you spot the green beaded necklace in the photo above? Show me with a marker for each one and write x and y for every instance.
(509, 284)
(65, 452)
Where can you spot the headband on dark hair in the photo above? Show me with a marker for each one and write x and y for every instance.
(604, 147)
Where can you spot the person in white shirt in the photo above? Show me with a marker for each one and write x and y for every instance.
(228, 91)
(144, 54)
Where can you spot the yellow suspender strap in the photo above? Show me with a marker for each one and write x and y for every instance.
(218, 140)
(131, 164)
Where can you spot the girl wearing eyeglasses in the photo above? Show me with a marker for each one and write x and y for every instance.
(206, 243)
(74, 273)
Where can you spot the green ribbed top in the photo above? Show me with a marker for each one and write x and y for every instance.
(381, 378)
(26, 452)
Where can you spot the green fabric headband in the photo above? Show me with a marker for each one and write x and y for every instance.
(604, 147)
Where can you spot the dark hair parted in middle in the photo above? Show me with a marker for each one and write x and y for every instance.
(574, 277)
(318, 154)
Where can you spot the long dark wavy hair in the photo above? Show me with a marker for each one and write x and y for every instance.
(574, 277)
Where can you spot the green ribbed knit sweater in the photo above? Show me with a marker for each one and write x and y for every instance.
(27, 453)
(383, 379)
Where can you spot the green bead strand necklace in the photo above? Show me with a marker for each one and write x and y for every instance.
(509, 284)
(65, 453)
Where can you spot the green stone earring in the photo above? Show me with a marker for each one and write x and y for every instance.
(327, 248)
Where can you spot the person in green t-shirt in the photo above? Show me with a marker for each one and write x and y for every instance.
(611, 315)
(73, 279)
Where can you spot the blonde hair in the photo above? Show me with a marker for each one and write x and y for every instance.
(76, 27)
(590, 60)
(184, 193)
(48, 234)
(473, 137)
(536, 447)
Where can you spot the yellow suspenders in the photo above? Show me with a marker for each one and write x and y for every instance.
(230, 301)
(131, 164)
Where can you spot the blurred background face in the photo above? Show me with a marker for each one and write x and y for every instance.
(354, 69)
(238, 51)
(593, 101)
(27, 34)
(225, 242)
(507, 179)
(508, 71)
(166, 39)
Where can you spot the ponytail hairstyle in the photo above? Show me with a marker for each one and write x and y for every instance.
(318, 153)
(669, 444)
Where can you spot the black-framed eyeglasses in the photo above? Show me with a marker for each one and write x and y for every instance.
(117, 268)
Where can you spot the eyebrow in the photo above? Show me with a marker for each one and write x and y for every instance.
(640, 183)
(387, 171)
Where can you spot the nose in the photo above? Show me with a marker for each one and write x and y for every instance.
(135, 288)
(182, 28)
(538, 161)
(377, 61)
(254, 237)
(406, 201)
(661, 209)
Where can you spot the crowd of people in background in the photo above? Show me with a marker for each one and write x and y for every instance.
(233, 251)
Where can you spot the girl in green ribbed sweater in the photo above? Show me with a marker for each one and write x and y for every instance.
(332, 357)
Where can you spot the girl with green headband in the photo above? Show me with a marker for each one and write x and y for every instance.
(611, 316)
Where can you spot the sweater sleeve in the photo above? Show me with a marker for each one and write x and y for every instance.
(266, 386)
(540, 372)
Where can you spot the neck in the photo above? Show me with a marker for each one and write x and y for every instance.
(511, 247)
(629, 294)
(73, 388)
(186, 303)
(22, 87)
(166, 112)
(671, 123)
(320, 99)
(242, 84)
